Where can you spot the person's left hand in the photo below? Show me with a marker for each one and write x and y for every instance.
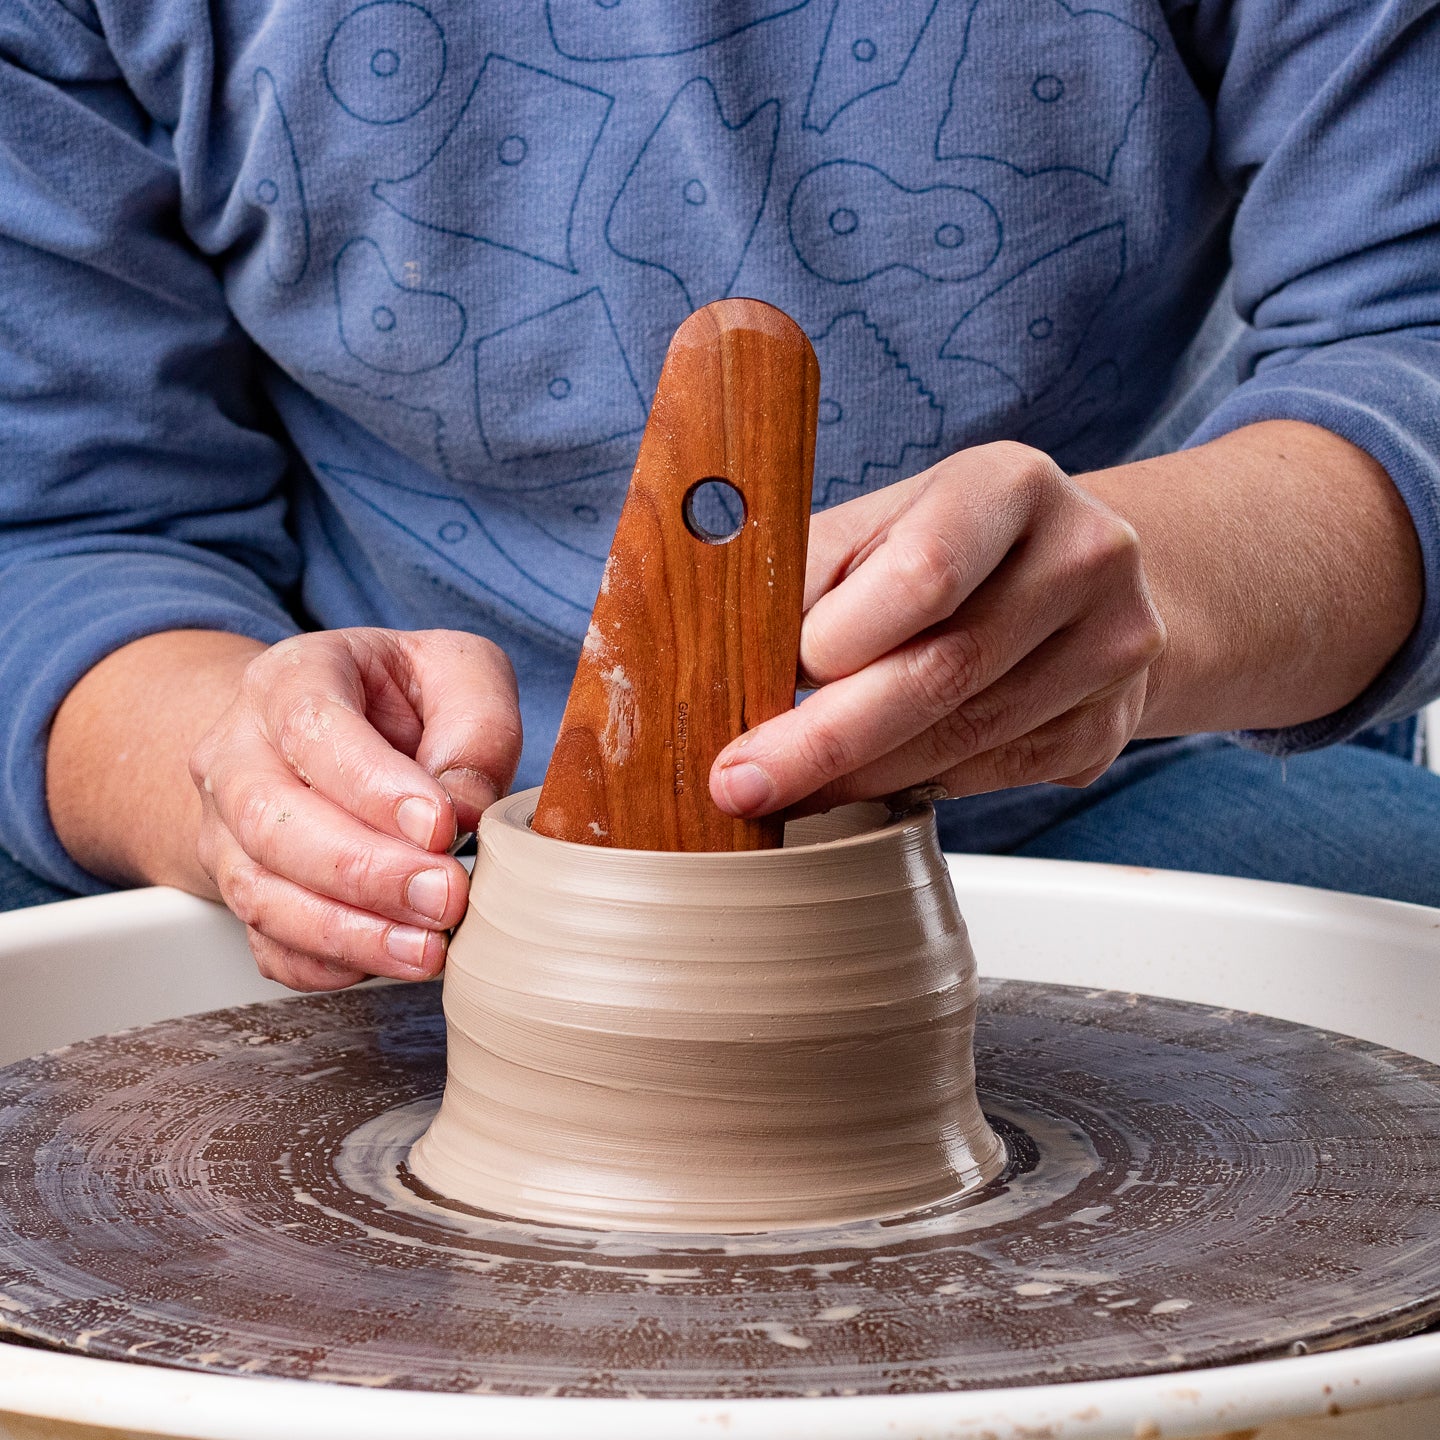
(984, 624)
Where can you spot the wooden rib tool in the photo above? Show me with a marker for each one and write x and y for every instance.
(694, 638)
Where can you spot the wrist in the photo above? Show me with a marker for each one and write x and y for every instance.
(117, 779)
(1285, 567)
(1193, 657)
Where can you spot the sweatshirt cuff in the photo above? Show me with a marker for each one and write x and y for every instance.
(1382, 395)
(61, 613)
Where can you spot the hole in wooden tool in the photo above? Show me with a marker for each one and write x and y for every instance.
(714, 511)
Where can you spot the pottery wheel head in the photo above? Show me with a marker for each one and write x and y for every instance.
(1184, 1187)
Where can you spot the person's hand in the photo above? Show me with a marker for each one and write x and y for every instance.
(334, 784)
(985, 624)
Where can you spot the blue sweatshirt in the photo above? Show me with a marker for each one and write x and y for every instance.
(317, 313)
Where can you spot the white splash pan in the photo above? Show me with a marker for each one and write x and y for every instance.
(1367, 967)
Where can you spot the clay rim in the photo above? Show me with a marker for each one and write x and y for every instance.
(873, 817)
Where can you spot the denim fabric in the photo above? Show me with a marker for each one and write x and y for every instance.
(1003, 822)
(20, 889)
(1348, 818)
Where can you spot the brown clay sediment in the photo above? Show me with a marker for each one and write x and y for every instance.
(226, 1192)
(724, 1042)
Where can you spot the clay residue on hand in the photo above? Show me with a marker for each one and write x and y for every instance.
(700, 1041)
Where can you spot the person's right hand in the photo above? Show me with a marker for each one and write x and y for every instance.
(333, 786)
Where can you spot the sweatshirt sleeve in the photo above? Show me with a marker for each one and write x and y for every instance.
(139, 490)
(1325, 130)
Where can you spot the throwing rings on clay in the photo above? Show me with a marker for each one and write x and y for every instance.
(725, 1042)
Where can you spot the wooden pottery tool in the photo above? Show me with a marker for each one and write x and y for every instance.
(695, 635)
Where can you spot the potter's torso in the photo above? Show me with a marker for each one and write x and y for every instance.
(462, 235)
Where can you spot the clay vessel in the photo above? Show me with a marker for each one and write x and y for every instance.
(710, 1042)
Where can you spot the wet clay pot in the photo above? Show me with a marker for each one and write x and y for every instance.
(721, 1042)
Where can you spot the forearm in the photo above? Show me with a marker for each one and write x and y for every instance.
(1285, 566)
(117, 778)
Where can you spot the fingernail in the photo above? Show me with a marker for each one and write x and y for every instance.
(417, 820)
(746, 788)
(428, 893)
(406, 944)
(467, 782)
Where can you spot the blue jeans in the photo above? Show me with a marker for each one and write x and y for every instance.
(19, 888)
(1348, 818)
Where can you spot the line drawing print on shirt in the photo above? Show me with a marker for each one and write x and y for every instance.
(688, 207)
(610, 30)
(394, 328)
(505, 173)
(849, 221)
(1058, 103)
(590, 526)
(278, 188)
(867, 47)
(1094, 395)
(1052, 303)
(417, 431)
(384, 61)
(453, 531)
(527, 385)
(866, 389)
